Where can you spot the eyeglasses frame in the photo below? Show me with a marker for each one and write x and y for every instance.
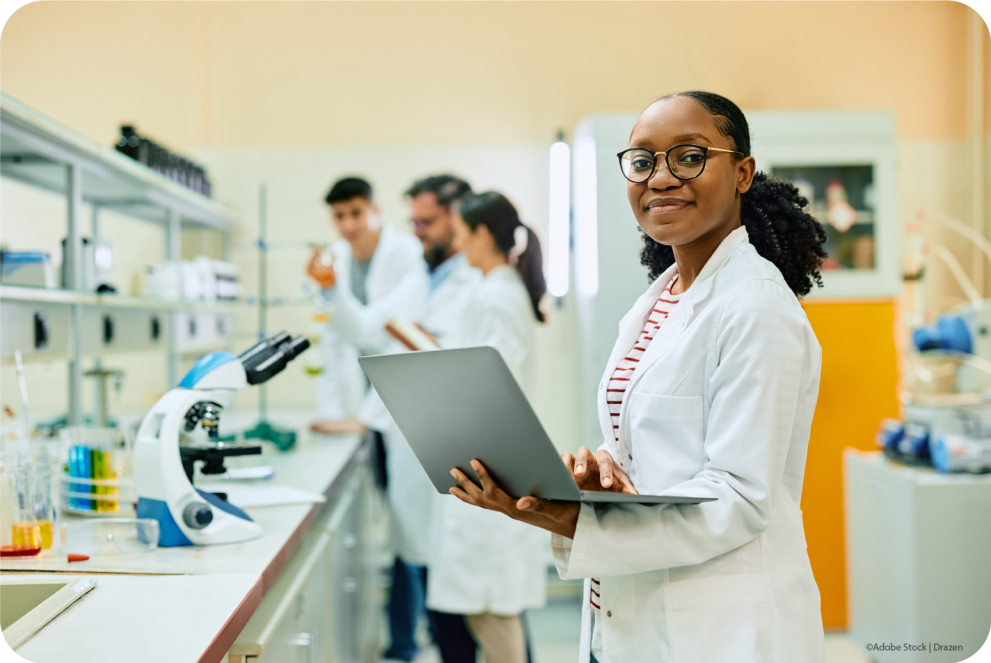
(705, 153)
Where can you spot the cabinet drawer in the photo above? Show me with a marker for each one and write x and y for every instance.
(286, 627)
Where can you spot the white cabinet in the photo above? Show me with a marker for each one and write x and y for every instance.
(352, 579)
(287, 626)
(918, 548)
(325, 606)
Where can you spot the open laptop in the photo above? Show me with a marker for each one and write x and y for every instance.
(457, 405)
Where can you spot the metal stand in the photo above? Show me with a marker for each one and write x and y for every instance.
(283, 438)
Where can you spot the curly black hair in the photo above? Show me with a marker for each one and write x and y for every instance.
(774, 213)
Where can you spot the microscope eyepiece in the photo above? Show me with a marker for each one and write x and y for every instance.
(267, 358)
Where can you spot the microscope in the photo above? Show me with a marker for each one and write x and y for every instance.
(163, 470)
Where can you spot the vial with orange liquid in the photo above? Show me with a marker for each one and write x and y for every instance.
(42, 495)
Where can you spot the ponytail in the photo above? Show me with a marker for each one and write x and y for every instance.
(530, 265)
(517, 241)
(773, 211)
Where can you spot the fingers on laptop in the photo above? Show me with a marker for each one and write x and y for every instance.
(584, 463)
(612, 477)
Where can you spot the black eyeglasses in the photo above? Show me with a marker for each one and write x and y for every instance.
(686, 162)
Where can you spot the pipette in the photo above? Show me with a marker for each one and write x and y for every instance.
(24, 391)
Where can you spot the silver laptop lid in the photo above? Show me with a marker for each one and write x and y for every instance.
(457, 405)
(453, 406)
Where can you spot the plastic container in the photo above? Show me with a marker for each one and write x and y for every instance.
(96, 475)
(109, 536)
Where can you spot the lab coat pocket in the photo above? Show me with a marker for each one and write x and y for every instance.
(666, 440)
(721, 619)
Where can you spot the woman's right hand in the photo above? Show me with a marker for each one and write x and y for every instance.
(320, 270)
(597, 471)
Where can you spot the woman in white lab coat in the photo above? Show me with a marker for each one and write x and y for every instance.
(485, 566)
(719, 403)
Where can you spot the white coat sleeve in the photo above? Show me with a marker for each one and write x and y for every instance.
(363, 325)
(762, 372)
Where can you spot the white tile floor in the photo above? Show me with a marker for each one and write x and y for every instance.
(554, 632)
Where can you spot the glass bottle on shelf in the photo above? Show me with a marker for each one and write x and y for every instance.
(128, 142)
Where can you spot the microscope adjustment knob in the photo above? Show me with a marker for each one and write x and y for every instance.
(197, 515)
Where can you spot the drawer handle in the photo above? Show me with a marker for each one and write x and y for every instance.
(305, 640)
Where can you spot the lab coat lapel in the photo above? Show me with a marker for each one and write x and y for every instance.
(685, 311)
(630, 328)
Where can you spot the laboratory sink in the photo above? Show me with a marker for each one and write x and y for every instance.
(28, 604)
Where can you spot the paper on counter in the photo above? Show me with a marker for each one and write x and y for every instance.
(242, 473)
(247, 496)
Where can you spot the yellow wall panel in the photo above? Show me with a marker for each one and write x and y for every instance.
(858, 389)
(228, 74)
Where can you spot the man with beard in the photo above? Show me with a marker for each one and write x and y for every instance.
(433, 299)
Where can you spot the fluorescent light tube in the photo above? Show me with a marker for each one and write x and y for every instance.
(559, 220)
(586, 219)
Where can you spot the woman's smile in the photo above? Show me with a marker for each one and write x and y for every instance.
(663, 206)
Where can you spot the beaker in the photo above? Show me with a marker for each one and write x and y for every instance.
(19, 532)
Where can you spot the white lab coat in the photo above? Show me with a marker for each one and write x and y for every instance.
(483, 561)
(720, 405)
(342, 386)
(410, 492)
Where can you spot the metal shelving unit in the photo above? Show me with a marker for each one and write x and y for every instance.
(38, 151)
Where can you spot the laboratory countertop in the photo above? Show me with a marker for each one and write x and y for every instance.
(920, 475)
(190, 601)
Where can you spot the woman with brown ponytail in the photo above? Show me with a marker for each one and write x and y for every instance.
(484, 566)
(710, 390)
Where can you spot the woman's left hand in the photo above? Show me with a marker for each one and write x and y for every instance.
(556, 517)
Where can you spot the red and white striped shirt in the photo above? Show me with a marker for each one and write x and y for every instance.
(624, 371)
(621, 378)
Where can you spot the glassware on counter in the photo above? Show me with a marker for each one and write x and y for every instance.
(20, 535)
(96, 478)
(109, 536)
(42, 495)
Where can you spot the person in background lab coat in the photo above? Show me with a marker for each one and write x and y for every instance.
(433, 298)
(485, 566)
(369, 261)
(710, 391)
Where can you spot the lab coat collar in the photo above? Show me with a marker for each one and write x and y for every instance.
(702, 286)
(443, 270)
(680, 317)
(504, 272)
(634, 321)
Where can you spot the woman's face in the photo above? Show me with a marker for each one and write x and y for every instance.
(678, 212)
(474, 244)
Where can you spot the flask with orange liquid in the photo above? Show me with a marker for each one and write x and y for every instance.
(19, 531)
